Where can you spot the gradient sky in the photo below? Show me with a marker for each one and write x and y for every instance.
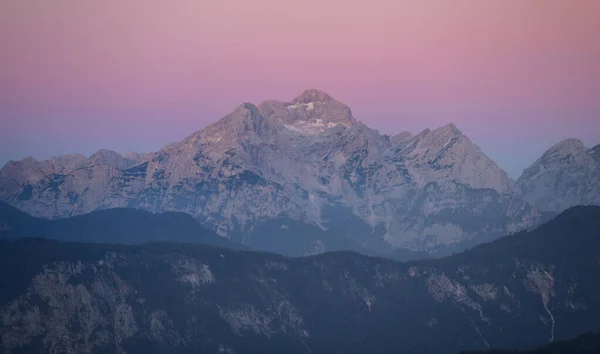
(516, 76)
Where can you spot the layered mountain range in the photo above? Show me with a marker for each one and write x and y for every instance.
(306, 172)
(520, 291)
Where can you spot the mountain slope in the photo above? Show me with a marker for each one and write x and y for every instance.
(519, 291)
(585, 344)
(133, 226)
(308, 160)
(566, 175)
(124, 226)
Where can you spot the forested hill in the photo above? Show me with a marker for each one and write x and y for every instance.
(588, 343)
(119, 225)
(521, 291)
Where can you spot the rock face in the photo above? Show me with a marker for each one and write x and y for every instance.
(307, 160)
(519, 291)
(567, 174)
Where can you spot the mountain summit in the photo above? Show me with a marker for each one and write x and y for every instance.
(310, 113)
(295, 177)
(566, 175)
(313, 95)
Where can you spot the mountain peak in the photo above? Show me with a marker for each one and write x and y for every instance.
(566, 146)
(241, 113)
(247, 106)
(111, 158)
(311, 113)
(445, 154)
(566, 175)
(448, 129)
(571, 142)
(244, 121)
(313, 95)
(452, 128)
(105, 153)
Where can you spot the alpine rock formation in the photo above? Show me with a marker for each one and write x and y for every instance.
(566, 175)
(263, 170)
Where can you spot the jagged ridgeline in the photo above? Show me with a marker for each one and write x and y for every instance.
(307, 171)
(566, 175)
(521, 291)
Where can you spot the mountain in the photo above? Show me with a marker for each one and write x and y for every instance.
(135, 226)
(588, 343)
(566, 175)
(119, 225)
(517, 292)
(306, 161)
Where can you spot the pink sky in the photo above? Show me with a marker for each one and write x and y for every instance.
(516, 76)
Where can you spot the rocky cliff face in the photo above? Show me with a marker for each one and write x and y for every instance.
(520, 291)
(567, 174)
(308, 160)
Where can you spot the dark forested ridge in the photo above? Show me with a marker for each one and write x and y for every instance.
(119, 225)
(588, 343)
(521, 291)
(135, 226)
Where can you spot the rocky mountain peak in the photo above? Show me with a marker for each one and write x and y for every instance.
(26, 162)
(567, 174)
(449, 129)
(310, 113)
(445, 154)
(13, 169)
(244, 124)
(440, 135)
(240, 118)
(568, 151)
(439, 138)
(110, 158)
(247, 108)
(566, 146)
(313, 95)
(15, 174)
(104, 156)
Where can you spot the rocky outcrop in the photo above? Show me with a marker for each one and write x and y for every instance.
(566, 175)
(308, 160)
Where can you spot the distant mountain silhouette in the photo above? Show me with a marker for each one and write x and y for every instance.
(119, 226)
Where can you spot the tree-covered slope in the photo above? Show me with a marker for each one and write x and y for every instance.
(588, 343)
(520, 291)
(119, 225)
